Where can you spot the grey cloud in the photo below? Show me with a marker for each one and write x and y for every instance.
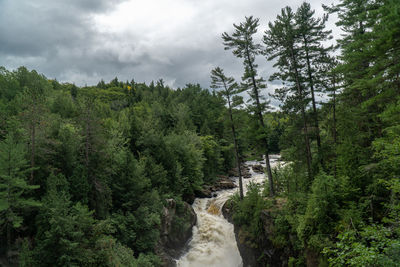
(57, 38)
(61, 40)
(93, 5)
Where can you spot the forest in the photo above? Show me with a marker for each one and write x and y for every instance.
(86, 171)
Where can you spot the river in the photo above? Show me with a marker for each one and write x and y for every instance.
(213, 243)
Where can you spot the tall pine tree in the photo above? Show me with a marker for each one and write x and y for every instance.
(244, 46)
(312, 34)
(281, 40)
(229, 90)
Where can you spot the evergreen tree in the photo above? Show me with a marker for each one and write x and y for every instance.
(68, 235)
(14, 189)
(74, 91)
(35, 89)
(94, 156)
(312, 34)
(229, 91)
(281, 41)
(244, 46)
(9, 84)
(362, 77)
(330, 82)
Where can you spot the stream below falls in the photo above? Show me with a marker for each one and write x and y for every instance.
(213, 242)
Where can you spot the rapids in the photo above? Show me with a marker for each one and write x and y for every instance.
(213, 243)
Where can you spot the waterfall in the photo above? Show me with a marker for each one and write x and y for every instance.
(213, 243)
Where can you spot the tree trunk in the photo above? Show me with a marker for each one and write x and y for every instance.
(315, 114)
(33, 142)
(334, 128)
(8, 236)
(261, 121)
(303, 113)
(87, 145)
(236, 145)
(8, 200)
(237, 157)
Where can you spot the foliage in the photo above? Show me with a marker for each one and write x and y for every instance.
(106, 157)
(244, 46)
(316, 225)
(373, 245)
(338, 195)
(230, 92)
(102, 159)
(213, 159)
(247, 212)
(14, 188)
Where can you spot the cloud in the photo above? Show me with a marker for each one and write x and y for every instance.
(54, 37)
(84, 41)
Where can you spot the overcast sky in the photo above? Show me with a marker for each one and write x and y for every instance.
(83, 41)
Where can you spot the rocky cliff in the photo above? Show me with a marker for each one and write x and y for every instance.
(178, 220)
(261, 253)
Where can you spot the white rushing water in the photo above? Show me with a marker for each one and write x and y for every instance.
(213, 243)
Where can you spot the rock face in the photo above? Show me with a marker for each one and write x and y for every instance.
(248, 254)
(176, 230)
(273, 256)
(264, 254)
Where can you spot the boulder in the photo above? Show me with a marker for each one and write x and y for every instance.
(258, 168)
(208, 191)
(245, 172)
(246, 175)
(233, 172)
(224, 184)
(204, 192)
(189, 198)
(227, 211)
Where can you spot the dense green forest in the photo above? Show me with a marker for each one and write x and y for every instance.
(337, 200)
(86, 171)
